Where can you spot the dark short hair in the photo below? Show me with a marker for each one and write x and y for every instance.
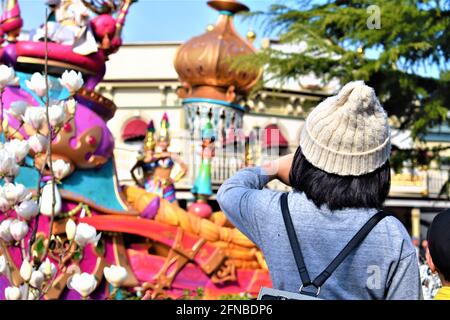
(338, 192)
(438, 239)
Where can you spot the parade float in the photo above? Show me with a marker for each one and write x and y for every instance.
(68, 230)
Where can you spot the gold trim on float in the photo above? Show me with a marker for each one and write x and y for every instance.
(53, 63)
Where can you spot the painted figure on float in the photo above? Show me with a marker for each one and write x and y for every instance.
(68, 24)
(158, 163)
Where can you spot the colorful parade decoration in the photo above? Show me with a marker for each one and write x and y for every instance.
(157, 163)
(88, 226)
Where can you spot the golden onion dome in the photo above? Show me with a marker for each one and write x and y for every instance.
(207, 59)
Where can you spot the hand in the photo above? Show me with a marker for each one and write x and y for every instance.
(280, 168)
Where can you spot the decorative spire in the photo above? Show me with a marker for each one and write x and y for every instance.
(11, 21)
(205, 64)
(164, 134)
(228, 7)
(149, 142)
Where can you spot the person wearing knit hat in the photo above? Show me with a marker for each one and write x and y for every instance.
(340, 176)
(347, 134)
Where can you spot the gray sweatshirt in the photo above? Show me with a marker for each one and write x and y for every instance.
(384, 266)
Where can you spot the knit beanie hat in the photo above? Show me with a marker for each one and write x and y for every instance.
(347, 134)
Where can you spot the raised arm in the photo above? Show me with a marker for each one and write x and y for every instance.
(137, 165)
(183, 167)
(244, 199)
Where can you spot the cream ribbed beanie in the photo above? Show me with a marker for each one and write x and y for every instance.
(347, 134)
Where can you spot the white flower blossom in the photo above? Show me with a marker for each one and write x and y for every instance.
(48, 268)
(72, 81)
(46, 201)
(37, 84)
(38, 143)
(3, 265)
(71, 106)
(115, 275)
(7, 76)
(27, 209)
(18, 229)
(19, 148)
(12, 293)
(35, 117)
(4, 204)
(26, 270)
(61, 169)
(17, 109)
(8, 165)
(56, 114)
(37, 278)
(86, 234)
(5, 234)
(83, 283)
(71, 229)
(15, 193)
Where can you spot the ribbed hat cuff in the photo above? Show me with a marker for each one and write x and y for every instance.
(343, 164)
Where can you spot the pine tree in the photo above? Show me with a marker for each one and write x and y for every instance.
(400, 48)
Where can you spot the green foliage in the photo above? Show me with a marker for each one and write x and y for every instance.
(332, 40)
(39, 246)
(243, 296)
(198, 294)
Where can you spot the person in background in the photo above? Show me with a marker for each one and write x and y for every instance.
(438, 253)
(340, 176)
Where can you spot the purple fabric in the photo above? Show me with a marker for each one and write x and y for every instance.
(152, 209)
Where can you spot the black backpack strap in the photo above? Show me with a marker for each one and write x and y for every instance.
(293, 240)
(296, 249)
(357, 239)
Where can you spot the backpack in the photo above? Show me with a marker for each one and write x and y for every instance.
(317, 283)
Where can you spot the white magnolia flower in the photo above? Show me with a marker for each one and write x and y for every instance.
(48, 268)
(27, 209)
(12, 293)
(17, 109)
(15, 193)
(61, 169)
(7, 76)
(8, 165)
(84, 283)
(37, 278)
(86, 234)
(56, 115)
(19, 148)
(5, 234)
(71, 229)
(38, 143)
(4, 204)
(35, 117)
(46, 201)
(26, 270)
(37, 84)
(115, 275)
(18, 229)
(72, 81)
(71, 106)
(3, 264)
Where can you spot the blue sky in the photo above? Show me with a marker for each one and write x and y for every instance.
(158, 20)
(172, 20)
